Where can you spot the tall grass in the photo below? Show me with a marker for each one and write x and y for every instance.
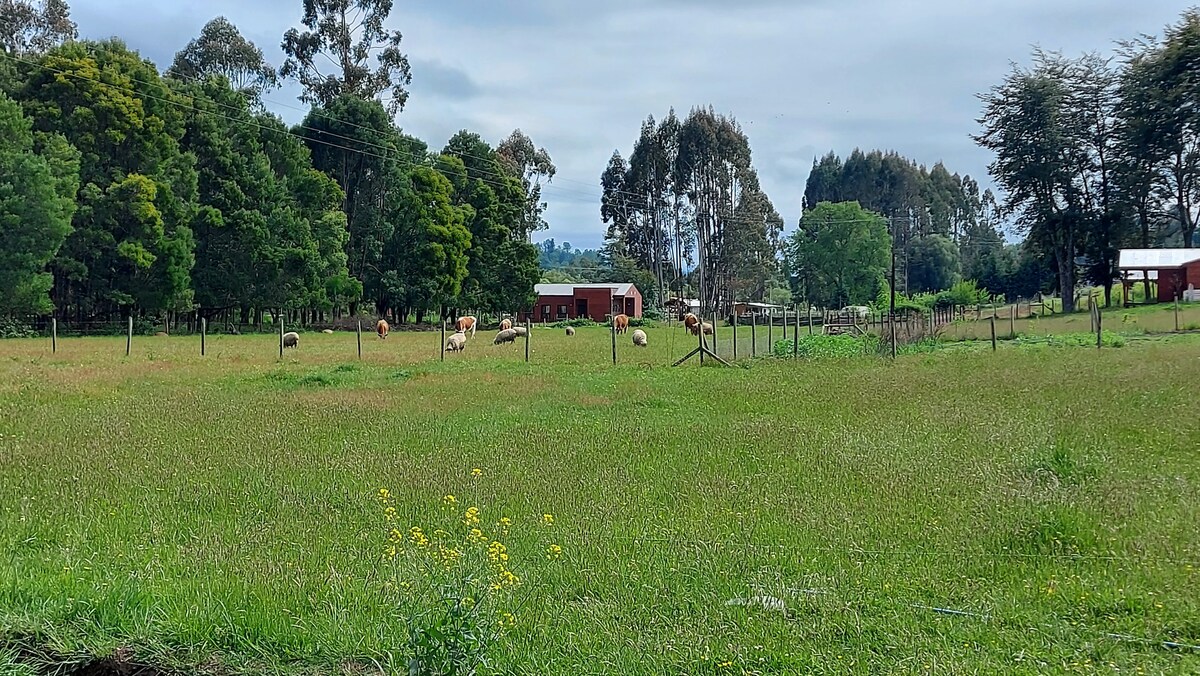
(222, 513)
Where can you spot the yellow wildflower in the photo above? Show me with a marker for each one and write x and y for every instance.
(418, 537)
(476, 472)
(476, 535)
(471, 516)
(508, 619)
(390, 513)
(553, 552)
(504, 524)
(548, 519)
(450, 500)
(496, 550)
(468, 602)
(384, 494)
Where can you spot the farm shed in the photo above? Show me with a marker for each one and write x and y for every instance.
(597, 302)
(1176, 271)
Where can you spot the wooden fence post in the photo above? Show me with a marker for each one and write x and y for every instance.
(528, 330)
(993, 324)
(442, 349)
(613, 334)
(700, 337)
(281, 334)
(1176, 313)
(735, 333)
(53, 335)
(771, 331)
(129, 337)
(810, 323)
(714, 325)
(754, 334)
(203, 335)
(1099, 329)
(795, 334)
(1012, 322)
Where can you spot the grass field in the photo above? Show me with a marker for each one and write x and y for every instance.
(1159, 318)
(221, 514)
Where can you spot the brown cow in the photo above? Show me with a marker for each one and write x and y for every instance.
(381, 328)
(690, 321)
(465, 324)
(505, 324)
(621, 322)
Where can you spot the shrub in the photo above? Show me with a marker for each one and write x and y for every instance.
(577, 322)
(11, 327)
(826, 347)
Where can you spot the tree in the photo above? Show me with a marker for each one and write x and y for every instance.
(220, 49)
(349, 35)
(839, 255)
(1029, 124)
(426, 259)
(933, 264)
(34, 27)
(131, 245)
(37, 200)
(531, 164)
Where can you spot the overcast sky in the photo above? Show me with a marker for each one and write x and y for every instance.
(802, 76)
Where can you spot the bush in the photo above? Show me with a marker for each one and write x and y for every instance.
(577, 322)
(826, 347)
(11, 327)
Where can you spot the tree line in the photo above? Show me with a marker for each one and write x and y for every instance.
(1096, 153)
(129, 191)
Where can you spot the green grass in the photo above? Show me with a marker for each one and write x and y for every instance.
(220, 512)
(1143, 319)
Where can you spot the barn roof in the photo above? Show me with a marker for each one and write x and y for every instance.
(1155, 259)
(569, 289)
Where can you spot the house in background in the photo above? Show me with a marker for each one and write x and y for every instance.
(1176, 271)
(557, 302)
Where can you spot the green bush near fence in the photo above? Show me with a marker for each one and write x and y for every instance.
(827, 347)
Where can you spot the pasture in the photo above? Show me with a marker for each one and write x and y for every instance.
(1029, 511)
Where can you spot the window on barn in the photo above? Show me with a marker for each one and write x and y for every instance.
(562, 311)
(545, 311)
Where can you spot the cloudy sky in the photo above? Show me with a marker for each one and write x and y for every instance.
(802, 76)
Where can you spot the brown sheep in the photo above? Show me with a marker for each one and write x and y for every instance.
(639, 338)
(291, 339)
(690, 321)
(505, 324)
(381, 328)
(621, 323)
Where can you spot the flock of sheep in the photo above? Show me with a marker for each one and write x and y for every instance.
(509, 333)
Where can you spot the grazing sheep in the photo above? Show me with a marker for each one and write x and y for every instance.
(465, 324)
(521, 331)
(381, 328)
(291, 339)
(570, 330)
(705, 326)
(621, 323)
(328, 332)
(690, 321)
(639, 338)
(505, 324)
(456, 343)
(505, 336)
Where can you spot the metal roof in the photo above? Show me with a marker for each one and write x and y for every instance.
(569, 289)
(1152, 259)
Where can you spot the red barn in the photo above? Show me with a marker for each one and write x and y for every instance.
(597, 302)
(1177, 271)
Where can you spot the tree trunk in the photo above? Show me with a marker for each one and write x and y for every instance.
(1066, 270)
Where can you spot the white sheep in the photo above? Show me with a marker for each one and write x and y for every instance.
(505, 336)
(457, 342)
(291, 339)
(639, 338)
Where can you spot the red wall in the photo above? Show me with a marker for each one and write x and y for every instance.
(599, 303)
(1172, 282)
(553, 302)
(599, 308)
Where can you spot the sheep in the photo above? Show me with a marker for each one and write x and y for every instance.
(505, 324)
(570, 330)
(621, 323)
(328, 332)
(291, 339)
(456, 343)
(505, 336)
(521, 331)
(381, 328)
(639, 338)
(690, 321)
(698, 326)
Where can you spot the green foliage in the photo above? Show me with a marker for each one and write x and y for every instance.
(933, 264)
(37, 201)
(11, 327)
(827, 347)
(33, 26)
(839, 255)
(221, 51)
(131, 243)
(350, 35)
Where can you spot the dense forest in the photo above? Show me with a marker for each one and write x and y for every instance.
(130, 191)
